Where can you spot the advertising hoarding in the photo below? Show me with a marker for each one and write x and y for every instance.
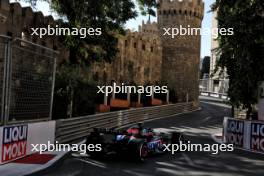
(16, 141)
(244, 134)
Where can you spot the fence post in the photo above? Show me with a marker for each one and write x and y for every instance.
(128, 97)
(53, 85)
(139, 98)
(105, 99)
(168, 97)
(7, 78)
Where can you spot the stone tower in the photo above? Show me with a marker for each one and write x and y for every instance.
(181, 54)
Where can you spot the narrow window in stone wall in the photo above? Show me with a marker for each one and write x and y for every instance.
(55, 47)
(135, 45)
(151, 49)
(23, 13)
(34, 40)
(10, 34)
(12, 14)
(23, 36)
(143, 47)
(43, 43)
(126, 43)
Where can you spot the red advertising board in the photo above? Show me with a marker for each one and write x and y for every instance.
(14, 142)
(235, 132)
(17, 141)
(257, 137)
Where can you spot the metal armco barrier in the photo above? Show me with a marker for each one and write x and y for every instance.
(69, 130)
(214, 94)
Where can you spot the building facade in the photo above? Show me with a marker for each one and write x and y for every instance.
(218, 80)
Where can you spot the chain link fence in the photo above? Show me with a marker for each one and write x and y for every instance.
(27, 81)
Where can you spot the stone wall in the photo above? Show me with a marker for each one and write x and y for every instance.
(19, 21)
(144, 56)
(181, 55)
(138, 60)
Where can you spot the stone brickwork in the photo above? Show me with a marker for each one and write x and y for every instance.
(181, 55)
(144, 56)
(138, 60)
(19, 21)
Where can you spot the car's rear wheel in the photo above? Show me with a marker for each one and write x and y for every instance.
(142, 151)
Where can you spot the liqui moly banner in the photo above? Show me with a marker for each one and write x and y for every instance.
(244, 134)
(234, 132)
(257, 137)
(16, 140)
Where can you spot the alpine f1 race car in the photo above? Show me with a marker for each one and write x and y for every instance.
(135, 142)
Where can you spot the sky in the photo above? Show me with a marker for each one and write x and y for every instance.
(134, 23)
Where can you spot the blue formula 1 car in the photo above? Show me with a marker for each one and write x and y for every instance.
(135, 142)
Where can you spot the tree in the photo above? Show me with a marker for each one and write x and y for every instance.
(109, 15)
(74, 94)
(147, 7)
(205, 66)
(242, 53)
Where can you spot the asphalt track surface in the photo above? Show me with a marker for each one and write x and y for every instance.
(197, 127)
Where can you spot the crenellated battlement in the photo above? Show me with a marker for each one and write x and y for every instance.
(16, 21)
(194, 8)
(149, 28)
(180, 55)
(24, 18)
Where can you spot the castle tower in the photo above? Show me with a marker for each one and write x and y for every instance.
(181, 54)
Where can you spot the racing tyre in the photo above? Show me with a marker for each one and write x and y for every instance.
(142, 151)
(95, 138)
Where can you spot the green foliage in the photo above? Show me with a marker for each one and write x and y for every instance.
(147, 7)
(205, 66)
(74, 95)
(242, 53)
(109, 15)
